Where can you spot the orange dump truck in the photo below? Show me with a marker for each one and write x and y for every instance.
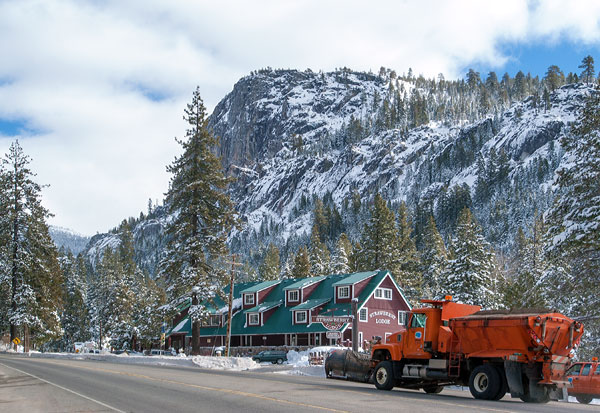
(523, 352)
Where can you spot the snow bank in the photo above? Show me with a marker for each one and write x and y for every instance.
(300, 362)
(225, 363)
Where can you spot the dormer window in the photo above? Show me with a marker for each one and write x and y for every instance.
(253, 319)
(344, 292)
(293, 296)
(300, 317)
(383, 293)
(214, 320)
(248, 299)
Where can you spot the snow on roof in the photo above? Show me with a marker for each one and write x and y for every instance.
(305, 282)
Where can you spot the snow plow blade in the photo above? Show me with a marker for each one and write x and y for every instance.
(348, 365)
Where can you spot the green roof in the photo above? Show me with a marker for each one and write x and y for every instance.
(264, 306)
(355, 278)
(260, 286)
(305, 282)
(309, 304)
(183, 327)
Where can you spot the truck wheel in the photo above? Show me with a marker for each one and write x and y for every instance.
(484, 382)
(384, 376)
(503, 383)
(279, 361)
(584, 399)
(433, 389)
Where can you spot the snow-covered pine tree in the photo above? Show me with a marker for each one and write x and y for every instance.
(270, 268)
(74, 318)
(470, 274)
(31, 271)
(301, 268)
(574, 220)
(434, 260)
(320, 258)
(203, 216)
(526, 289)
(341, 257)
(407, 258)
(379, 242)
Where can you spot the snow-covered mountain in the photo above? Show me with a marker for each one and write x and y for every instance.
(290, 137)
(68, 239)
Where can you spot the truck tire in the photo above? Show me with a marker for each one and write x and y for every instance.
(584, 399)
(503, 383)
(484, 382)
(433, 389)
(384, 376)
(279, 361)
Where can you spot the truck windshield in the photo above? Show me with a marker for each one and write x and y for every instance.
(418, 320)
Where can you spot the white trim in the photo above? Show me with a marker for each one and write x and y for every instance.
(360, 339)
(383, 291)
(404, 317)
(246, 301)
(289, 296)
(366, 320)
(339, 289)
(250, 323)
(296, 313)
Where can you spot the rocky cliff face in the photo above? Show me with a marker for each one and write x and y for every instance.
(291, 136)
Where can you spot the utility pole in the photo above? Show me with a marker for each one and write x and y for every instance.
(195, 324)
(230, 313)
(354, 324)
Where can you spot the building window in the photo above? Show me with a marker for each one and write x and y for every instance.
(300, 317)
(362, 314)
(402, 318)
(214, 320)
(249, 299)
(383, 293)
(293, 296)
(253, 319)
(360, 340)
(344, 292)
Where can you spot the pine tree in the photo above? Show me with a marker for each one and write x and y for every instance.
(434, 260)
(554, 78)
(574, 219)
(526, 289)
(74, 319)
(470, 274)
(301, 268)
(407, 271)
(379, 244)
(203, 216)
(31, 272)
(320, 257)
(342, 256)
(588, 73)
(269, 269)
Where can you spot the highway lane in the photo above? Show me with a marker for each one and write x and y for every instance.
(87, 385)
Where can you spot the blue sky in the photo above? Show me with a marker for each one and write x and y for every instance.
(535, 58)
(95, 91)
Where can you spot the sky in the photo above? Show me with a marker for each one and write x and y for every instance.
(95, 90)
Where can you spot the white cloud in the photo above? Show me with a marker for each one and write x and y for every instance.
(86, 75)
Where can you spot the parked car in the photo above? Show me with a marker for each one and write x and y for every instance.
(157, 352)
(272, 356)
(585, 377)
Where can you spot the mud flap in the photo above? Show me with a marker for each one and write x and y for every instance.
(514, 378)
(536, 391)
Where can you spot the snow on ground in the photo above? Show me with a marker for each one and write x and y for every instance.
(225, 363)
(301, 365)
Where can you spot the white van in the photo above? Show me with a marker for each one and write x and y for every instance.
(78, 347)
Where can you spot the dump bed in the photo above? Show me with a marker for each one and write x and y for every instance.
(524, 336)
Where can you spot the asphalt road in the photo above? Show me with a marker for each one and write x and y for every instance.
(55, 385)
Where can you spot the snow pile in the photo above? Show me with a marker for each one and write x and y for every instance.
(297, 359)
(225, 363)
(300, 362)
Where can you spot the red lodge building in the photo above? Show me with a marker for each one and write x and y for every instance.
(282, 312)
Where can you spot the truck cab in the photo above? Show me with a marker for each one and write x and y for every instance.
(585, 378)
(426, 332)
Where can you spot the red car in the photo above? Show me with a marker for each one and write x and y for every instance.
(585, 377)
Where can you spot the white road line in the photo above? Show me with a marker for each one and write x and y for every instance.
(64, 388)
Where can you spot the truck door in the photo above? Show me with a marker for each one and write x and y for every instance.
(415, 336)
(583, 381)
(595, 381)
